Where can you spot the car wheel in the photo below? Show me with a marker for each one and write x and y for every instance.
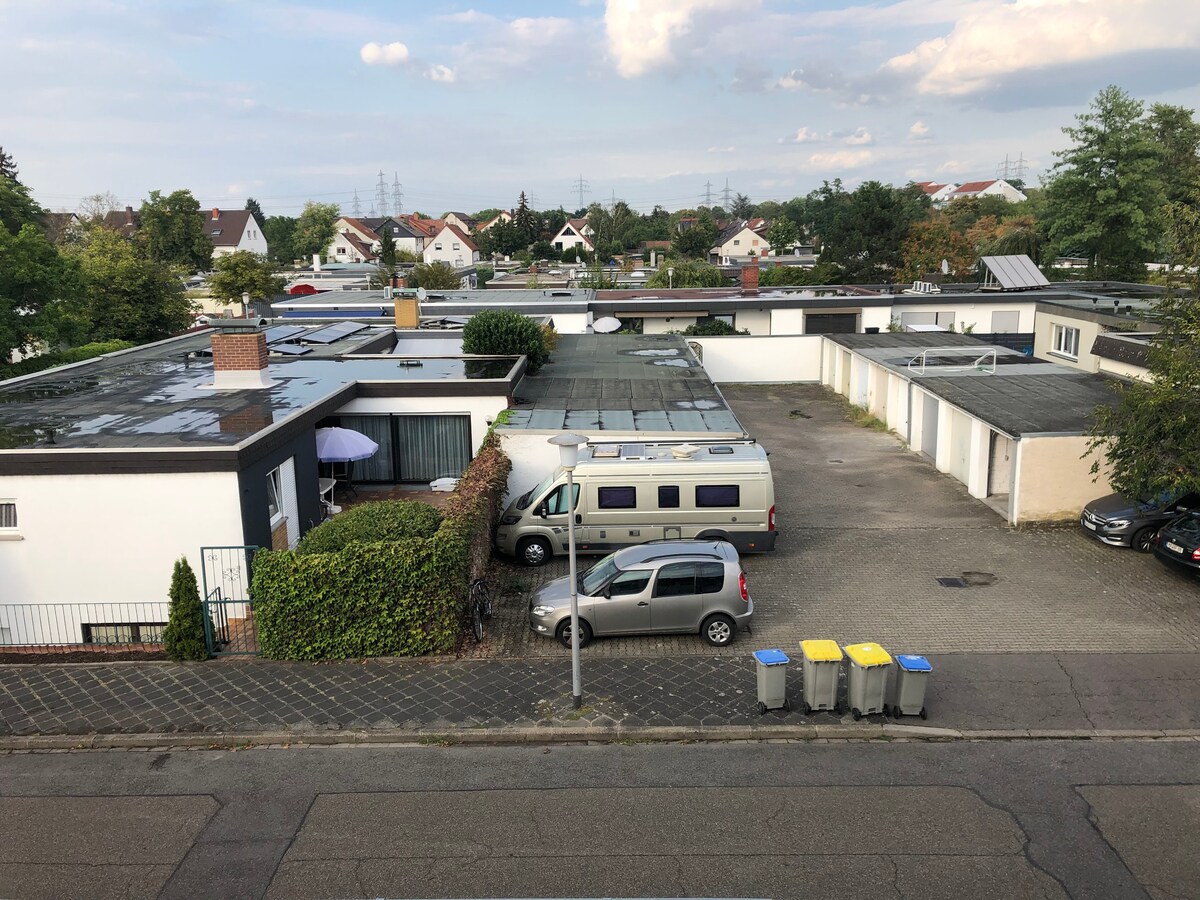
(563, 633)
(1143, 540)
(718, 630)
(534, 551)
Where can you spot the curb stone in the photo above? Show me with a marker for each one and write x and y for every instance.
(565, 735)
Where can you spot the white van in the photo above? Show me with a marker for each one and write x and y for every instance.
(632, 493)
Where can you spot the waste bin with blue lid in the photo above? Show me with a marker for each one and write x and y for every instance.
(772, 679)
(866, 678)
(912, 675)
(822, 665)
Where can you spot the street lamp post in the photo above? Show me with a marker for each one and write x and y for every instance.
(670, 278)
(568, 452)
(245, 304)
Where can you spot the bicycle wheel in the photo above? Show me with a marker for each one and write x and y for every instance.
(477, 621)
(485, 595)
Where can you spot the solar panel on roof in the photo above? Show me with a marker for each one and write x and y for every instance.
(1015, 272)
(282, 333)
(333, 333)
(290, 349)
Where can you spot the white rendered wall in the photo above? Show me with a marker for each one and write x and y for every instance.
(482, 410)
(655, 325)
(571, 323)
(875, 317)
(787, 321)
(112, 538)
(750, 359)
(532, 459)
(756, 321)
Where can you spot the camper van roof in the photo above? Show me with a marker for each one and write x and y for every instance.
(674, 452)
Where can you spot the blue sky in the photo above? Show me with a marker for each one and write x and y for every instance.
(470, 103)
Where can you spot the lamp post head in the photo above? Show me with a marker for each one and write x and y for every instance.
(568, 448)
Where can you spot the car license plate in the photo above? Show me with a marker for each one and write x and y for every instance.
(1090, 526)
(1173, 547)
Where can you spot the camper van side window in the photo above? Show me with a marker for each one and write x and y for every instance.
(710, 495)
(556, 503)
(668, 496)
(617, 497)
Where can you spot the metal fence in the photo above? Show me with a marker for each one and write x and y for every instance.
(101, 629)
(229, 620)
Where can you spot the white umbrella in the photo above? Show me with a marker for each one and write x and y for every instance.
(607, 325)
(343, 445)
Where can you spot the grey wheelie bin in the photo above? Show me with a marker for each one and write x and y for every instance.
(912, 674)
(866, 679)
(772, 679)
(822, 665)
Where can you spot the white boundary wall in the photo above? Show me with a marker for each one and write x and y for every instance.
(761, 360)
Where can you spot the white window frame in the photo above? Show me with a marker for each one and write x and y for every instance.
(275, 492)
(10, 532)
(1064, 340)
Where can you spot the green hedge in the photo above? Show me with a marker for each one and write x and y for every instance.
(387, 520)
(388, 598)
(54, 358)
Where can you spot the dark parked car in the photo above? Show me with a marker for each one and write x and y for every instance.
(1116, 519)
(1179, 541)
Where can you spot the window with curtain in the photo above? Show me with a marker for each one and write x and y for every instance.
(381, 466)
(432, 447)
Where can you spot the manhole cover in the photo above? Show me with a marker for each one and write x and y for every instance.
(954, 582)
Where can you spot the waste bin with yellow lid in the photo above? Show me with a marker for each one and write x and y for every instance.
(822, 664)
(866, 678)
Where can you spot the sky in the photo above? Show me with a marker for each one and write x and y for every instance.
(466, 104)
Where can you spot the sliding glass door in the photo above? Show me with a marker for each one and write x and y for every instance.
(412, 448)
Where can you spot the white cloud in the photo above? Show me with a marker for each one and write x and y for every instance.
(842, 159)
(393, 54)
(721, 149)
(998, 39)
(443, 74)
(953, 165)
(918, 131)
(468, 17)
(642, 37)
(806, 135)
(860, 138)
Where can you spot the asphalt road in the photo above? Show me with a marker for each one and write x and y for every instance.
(989, 819)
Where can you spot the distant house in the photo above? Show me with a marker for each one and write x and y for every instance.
(997, 187)
(462, 221)
(738, 240)
(349, 247)
(936, 191)
(451, 246)
(126, 221)
(60, 226)
(575, 233)
(406, 237)
(504, 216)
(231, 230)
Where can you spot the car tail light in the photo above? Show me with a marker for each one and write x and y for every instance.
(771, 519)
(1195, 556)
(742, 587)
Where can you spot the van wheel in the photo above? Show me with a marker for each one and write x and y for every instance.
(563, 633)
(534, 551)
(718, 630)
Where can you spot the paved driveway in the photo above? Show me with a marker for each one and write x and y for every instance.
(866, 529)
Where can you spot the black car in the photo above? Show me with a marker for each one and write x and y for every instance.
(1179, 541)
(1116, 519)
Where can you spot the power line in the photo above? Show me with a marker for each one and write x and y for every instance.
(357, 205)
(381, 195)
(397, 193)
(708, 193)
(726, 203)
(583, 188)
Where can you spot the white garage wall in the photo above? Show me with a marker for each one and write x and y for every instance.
(761, 360)
(532, 458)
(482, 410)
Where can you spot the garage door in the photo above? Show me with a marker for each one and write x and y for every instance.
(831, 323)
(929, 427)
(1000, 464)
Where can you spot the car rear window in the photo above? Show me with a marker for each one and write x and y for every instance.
(713, 495)
(617, 498)
(710, 578)
(1186, 527)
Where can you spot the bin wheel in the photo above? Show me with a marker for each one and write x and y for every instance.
(924, 715)
(895, 712)
(762, 708)
(807, 708)
(787, 705)
(857, 715)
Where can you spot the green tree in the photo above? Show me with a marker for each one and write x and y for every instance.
(183, 638)
(742, 208)
(502, 332)
(243, 272)
(1106, 193)
(782, 235)
(315, 229)
(387, 249)
(962, 214)
(695, 241)
(711, 327)
(863, 232)
(172, 231)
(438, 276)
(17, 208)
(929, 243)
(34, 279)
(527, 223)
(1148, 437)
(687, 274)
(1177, 134)
(796, 276)
(279, 230)
(126, 296)
(8, 167)
(255, 210)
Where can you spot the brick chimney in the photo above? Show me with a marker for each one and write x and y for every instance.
(239, 357)
(129, 215)
(750, 279)
(216, 214)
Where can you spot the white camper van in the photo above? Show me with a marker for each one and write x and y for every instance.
(632, 493)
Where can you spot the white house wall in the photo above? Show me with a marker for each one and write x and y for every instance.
(762, 360)
(111, 539)
(571, 323)
(1043, 340)
(756, 321)
(482, 410)
(1053, 479)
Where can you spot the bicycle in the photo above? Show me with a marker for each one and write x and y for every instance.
(480, 606)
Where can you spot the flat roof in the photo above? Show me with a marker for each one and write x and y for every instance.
(435, 299)
(623, 382)
(160, 396)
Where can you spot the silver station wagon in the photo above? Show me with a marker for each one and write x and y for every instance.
(674, 587)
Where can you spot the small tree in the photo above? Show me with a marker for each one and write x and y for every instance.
(183, 637)
(712, 328)
(502, 332)
(243, 272)
(438, 276)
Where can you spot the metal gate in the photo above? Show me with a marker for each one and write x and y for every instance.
(229, 613)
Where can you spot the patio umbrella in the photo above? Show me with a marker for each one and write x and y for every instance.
(343, 445)
(607, 325)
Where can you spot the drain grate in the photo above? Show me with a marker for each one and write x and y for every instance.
(798, 414)
(952, 582)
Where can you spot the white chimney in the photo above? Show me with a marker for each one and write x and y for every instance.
(316, 262)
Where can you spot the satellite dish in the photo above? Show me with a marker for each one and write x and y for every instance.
(422, 293)
(945, 267)
(607, 325)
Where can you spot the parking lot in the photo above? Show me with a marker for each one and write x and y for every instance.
(867, 527)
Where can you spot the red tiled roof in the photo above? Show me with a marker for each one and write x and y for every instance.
(360, 225)
(973, 187)
(363, 248)
(930, 187)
